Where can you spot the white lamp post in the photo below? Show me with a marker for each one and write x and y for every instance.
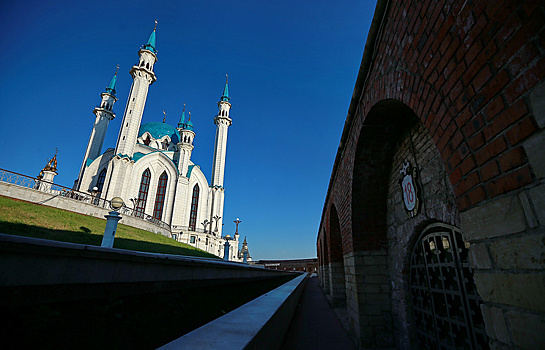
(111, 224)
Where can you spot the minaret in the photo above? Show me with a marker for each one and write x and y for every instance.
(185, 146)
(104, 114)
(120, 167)
(143, 76)
(222, 122)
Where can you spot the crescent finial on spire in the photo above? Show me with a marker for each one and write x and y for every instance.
(189, 119)
(116, 68)
(165, 117)
(226, 78)
(155, 25)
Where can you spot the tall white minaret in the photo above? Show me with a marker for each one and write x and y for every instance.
(104, 114)
(143, 76)
(222, 122)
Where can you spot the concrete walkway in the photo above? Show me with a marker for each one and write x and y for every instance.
(315, 325)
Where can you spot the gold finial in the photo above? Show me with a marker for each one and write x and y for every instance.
(116, 68)
(189, 117)
(226, 78)
(165, 117)
(155, 25)
(184, 108)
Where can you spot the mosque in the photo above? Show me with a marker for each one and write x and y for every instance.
(151, 167)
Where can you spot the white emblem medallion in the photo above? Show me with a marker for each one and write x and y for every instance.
(409, 189)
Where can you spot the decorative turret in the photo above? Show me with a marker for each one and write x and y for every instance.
(45, 178)
(185, 146)
(103, 115)
(244, 251)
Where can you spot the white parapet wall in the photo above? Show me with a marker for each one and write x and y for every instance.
(260, 324)
(57, 201)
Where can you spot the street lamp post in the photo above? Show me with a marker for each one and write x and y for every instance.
(226, 250)
(237, 221)
(135, 201)
(204, 224)
(111, 224)
(217, 217)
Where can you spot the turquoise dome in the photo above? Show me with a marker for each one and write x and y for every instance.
(158, 130)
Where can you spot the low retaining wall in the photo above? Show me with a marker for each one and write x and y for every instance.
(56, 201)
(63, 271)
(260, 324)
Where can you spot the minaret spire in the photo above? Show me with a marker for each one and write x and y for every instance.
(103, 115)
(225, 97)
(222, 121)
(143, 76)
(113, 83)
(150, 45)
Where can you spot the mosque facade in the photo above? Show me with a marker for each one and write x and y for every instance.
(151, 169)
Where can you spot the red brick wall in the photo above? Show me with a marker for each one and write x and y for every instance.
(466, 69)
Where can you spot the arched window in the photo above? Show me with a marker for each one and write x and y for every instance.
(160, 197)
(446, 306)
(194, 206)
(147, 140)
(100, 180)
(147, 65)
(143, 193)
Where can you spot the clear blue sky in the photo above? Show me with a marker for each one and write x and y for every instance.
(292, 66)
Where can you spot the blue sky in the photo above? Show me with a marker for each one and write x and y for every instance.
(292, 66)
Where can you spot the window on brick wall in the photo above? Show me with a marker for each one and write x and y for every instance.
(143, 193)
(194, 207)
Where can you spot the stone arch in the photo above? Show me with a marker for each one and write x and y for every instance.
(325, 262)
(336, 261)
(376, 145)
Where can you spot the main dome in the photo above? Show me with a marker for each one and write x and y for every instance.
(158, 130)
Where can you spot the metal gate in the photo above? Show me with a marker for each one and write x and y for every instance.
(444, 297)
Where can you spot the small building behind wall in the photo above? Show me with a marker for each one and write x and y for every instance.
(433, 228)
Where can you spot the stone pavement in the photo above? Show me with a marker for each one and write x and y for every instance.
(315, 325)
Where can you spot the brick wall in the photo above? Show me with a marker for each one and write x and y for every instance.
(472, 74)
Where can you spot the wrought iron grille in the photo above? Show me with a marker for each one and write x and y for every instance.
(444, 297)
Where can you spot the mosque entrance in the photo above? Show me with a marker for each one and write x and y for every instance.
(444, 297)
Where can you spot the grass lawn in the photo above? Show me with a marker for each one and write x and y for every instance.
(22, 218)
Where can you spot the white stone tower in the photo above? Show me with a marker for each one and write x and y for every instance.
(104, 114)
(143, 76)
(222, 122)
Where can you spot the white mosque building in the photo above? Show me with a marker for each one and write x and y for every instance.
(151, 167)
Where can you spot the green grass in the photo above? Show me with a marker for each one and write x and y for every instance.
(22, 218)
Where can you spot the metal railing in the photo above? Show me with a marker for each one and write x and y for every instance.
(61, 191)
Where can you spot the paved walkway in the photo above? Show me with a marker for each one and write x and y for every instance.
(315, 325)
